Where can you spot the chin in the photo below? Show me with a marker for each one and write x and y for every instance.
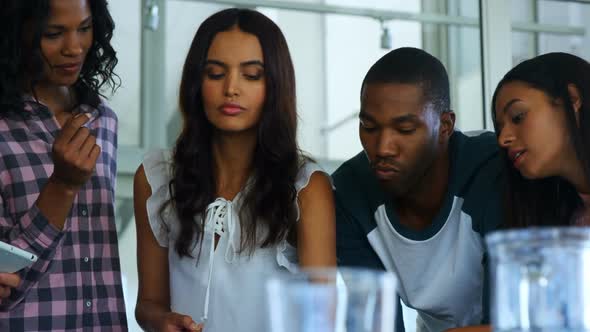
(233, 130)
(393, 188)
(66, 81)
(532, 174)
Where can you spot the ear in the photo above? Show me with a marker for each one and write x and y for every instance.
(575, 97)
(576, 100)
(447, 125)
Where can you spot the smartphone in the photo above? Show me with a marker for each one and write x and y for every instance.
(13, 259)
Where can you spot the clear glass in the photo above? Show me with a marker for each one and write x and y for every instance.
(539, 279)
(343, 300)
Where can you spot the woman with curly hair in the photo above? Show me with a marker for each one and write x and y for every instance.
(235, 201)
(57, 165)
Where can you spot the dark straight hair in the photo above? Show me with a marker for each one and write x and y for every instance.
(553, 200)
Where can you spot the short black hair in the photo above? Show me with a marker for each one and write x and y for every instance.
(408, 65)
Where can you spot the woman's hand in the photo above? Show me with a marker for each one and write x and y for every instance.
(175, 322)
(74, 154)
(8, 281)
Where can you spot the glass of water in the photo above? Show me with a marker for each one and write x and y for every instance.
(540, 279)
(330, 300)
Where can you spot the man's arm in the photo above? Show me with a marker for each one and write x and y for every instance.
(353, 249)
(352, 246)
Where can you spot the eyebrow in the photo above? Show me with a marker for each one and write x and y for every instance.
(365, 116)
(398, 120)
(405, 118)
(242, 64)
(57, 26)
(510, 103)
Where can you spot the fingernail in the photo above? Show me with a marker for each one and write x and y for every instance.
(194, 326)
(80, 114)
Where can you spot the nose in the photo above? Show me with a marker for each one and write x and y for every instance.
(387, 145)
(72, 45)
(232, 83)
(506, 137)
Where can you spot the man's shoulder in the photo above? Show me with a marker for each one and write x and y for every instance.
(476, 153)
(480, 142)
(355, 177)
(351, 168)
(357, 191)
(479, 177)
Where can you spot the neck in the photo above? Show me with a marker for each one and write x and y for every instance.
(233, 155)
(574, 173)
(419, 207)
(58, 99)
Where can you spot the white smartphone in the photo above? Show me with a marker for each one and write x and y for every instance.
(13, 259)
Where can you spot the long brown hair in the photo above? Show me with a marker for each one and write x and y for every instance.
(268, 201)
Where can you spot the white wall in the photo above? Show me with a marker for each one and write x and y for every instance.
(576, 14)
(305, 43)
(352, 46)
(127, 42)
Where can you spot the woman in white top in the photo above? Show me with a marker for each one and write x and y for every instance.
(235, 201)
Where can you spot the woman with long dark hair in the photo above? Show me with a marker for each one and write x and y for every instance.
(57, 165)
(541, 116)
(236, 200)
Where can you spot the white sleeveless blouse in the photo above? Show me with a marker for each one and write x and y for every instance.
(224, 289)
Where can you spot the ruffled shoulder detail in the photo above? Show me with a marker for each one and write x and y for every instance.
(157, 166)
(286, 253)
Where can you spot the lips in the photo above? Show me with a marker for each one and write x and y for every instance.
(70, 68)
(231, 109)
(385, 173)
(516, 156)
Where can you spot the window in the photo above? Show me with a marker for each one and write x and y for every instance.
(127, 42)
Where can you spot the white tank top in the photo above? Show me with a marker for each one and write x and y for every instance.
(224, 289)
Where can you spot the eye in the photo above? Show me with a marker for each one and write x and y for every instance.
(255, 77)
(51, 35)
(86, 28)
(408, 131)
(253, 73)
(367, 127)
(518, 118)
(214, 74)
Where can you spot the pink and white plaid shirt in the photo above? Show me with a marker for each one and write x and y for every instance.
(76, 283)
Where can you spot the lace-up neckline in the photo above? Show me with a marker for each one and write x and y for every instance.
(220, 220)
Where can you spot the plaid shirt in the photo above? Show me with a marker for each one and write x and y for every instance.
(76, 282)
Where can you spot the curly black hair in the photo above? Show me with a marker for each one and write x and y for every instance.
(269, 198)
(21, 62)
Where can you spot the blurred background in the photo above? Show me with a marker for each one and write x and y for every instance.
(333, 43)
